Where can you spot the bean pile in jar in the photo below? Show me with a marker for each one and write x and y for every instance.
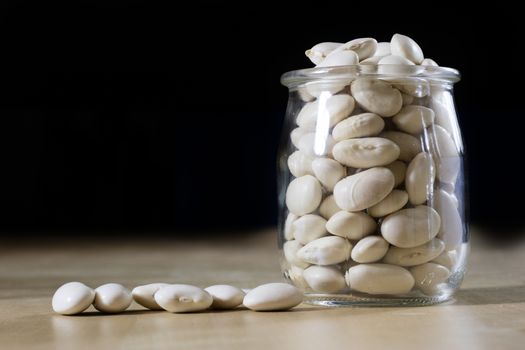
(371, 205)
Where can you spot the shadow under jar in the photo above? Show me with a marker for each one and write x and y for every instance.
(371, 186)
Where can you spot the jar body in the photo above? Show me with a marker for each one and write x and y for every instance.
(372, 199)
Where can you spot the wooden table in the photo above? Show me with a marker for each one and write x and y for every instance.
(488, 313)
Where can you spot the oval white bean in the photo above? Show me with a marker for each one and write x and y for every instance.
(415, 255)
(428, 277)
(183, 298)
(303, 195)
(225, 296)
(288, 227)
(412, 227)
(72, 298)
(413, 119)
(290, 249)
(309, 227)
(351, 225)
(447, 158)
(383, 49)
(328, 172)
(451, 229)
(364, 124)
(144, 295)
(326, 251)
(447, 259)
(330, 111)
(392, 59)
(429, 62)
(112, 298)
(363, 47)
(365, 152)
(394, 65)
(364, 189)
(339, 58)
(420, 178)
(379, 279)
(273, 297)
(324, 279)
(296, 135)
(407, 99)
(398, 168)
(315, 144)
(408, 145)
(328, 207)
(369, 249)
(374, 60)
(396, 200)
(402, 45)
(300, 164)
(295, 275)
(376, 96)
(318, 52)
(330, 87)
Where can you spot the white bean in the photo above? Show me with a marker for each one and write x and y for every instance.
(329, 111)
(290, 249)
(340, 58)
(328, 207)
(183, 298)
(316, 144)
(376, 96)
(309, 227)
(288, 226)
(363, 47)
(303, 195)
(398, 168)
(300, 164)
(72, 298)
(366, 152)
(326, 251)
(447, 259)
(428, 277)
(408, 145)
(351, 225)
(447, 158)
(369, 249)
(328, 172)
(420, 177)
(364, 124)
(379, 279)
(296, 135)
(396, 200)
(144, 295)
(412, 227)
(402, 45)
(318, 52)
(383, 49)
(364, 189)
(429, 62)
(413, 119)
(330, 87)
(415, 255)
(112, 298)
(225, 296)
(451, 230)
(273, 297)
(324, 279)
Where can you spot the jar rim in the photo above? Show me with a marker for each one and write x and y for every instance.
(436, 74)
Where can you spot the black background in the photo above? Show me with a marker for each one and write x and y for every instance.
(137, 118)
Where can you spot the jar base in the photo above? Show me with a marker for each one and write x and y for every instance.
(353, 300)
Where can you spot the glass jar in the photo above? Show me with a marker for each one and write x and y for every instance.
(371, 186)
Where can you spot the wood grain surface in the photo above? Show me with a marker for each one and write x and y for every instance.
(487, 313)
